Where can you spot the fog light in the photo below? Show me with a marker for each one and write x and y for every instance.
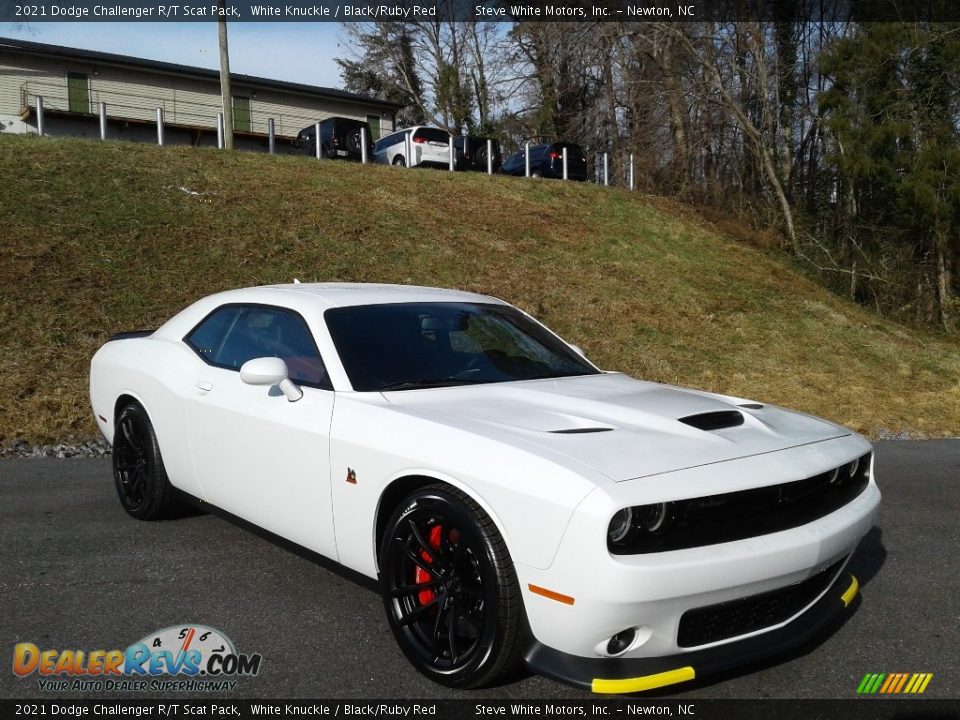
(621, 641)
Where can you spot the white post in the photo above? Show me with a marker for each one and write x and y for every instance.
(39, 115)
(631, 171)
(159, 126)
(408, 139)
(565, 163)
(103, 120)
(220, 131)
(363, 145)
(271, 137)
(526, 157)
(606, 170)
(451, 154)
(466, 146)
(316, 137)
(489, 156)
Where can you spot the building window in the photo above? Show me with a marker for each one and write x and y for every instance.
(374, 122)
(78, 93)
(241, 113)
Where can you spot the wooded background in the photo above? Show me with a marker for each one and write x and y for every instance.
(843, 137)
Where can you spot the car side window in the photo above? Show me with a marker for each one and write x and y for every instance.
(234, 334)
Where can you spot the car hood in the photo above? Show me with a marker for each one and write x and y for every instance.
(621, 427)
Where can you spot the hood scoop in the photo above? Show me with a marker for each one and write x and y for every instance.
(579, 430)
(717, 420)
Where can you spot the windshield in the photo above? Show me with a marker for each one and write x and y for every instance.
(417, 345)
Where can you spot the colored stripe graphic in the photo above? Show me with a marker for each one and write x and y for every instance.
(894, 683)
(899, 687)
(891, 681)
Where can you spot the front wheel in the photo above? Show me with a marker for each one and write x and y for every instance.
(141, 480)
(450, 589)
(399, 161)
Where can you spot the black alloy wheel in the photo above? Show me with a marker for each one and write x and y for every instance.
(138, 471)
(450, 589)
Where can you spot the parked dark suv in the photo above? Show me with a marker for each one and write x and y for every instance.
(547, 161)
(339, 138)
(474, 157)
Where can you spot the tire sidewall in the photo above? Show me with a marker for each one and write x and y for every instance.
(155, 477)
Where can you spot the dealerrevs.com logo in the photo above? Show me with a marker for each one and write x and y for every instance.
(186, 658)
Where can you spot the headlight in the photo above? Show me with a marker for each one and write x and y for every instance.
(853, 467)
(620, 526)
(654, 518)
(629, 523)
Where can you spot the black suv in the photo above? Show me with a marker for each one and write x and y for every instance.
(547, 161)
(474, 157)
(339, 138)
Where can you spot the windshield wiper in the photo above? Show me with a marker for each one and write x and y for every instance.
(422, 384)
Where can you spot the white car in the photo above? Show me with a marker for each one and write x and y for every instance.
(414, 146)
(516, 503)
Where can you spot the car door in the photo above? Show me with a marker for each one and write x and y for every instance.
(256, 454)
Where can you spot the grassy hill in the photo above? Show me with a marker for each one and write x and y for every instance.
(97, 238)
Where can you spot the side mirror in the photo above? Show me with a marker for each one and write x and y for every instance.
(578, 350)
(270, 371)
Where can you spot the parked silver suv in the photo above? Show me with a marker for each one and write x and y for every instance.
(429, 146)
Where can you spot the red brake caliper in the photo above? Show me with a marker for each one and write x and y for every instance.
(419, 574)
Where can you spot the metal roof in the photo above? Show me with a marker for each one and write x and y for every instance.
(34, 48)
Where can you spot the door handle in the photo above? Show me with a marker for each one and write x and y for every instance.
(204, 387)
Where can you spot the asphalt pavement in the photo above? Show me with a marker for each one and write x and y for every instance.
(77, 573)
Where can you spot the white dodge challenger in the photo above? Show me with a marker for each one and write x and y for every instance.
(516, 503)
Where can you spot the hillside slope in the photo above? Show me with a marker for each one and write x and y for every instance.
(98, 238)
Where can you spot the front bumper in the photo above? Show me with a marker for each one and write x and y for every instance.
(696, 609)
(629, 675)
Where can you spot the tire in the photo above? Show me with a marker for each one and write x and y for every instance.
(450, 589)
(353, 141)
(399, 161)
(143, 487)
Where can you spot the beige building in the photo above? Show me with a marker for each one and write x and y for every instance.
(71, 85)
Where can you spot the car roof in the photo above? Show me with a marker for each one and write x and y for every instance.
(315, 297)
(344, 294)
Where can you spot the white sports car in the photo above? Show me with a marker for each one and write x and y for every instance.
(516, 503)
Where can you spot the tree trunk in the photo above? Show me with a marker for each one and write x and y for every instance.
(944, 282)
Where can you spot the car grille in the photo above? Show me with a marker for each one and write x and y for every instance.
(739, 617)
(713, 519)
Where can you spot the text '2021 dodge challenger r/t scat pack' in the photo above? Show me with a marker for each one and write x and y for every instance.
(516, 503)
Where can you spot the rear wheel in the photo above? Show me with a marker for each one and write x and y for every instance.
(141, 480)
(399, 161)
(450, 589)
(353, 141)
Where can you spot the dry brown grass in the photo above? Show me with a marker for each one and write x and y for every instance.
(98, 238)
